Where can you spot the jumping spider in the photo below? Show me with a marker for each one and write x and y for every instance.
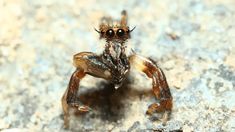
(114, 65)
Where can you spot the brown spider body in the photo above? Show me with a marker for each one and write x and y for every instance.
(114, 65)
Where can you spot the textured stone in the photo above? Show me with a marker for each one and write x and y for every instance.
(193, 41)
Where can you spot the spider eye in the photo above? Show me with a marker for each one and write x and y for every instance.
(120, 32)
(110, 33)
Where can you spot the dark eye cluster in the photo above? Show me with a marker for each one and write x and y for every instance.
(110, 33)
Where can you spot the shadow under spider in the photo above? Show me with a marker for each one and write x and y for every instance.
(108, 103)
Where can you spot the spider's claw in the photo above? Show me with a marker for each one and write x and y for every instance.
(152, 108)
(156, 107)
(80, 107)
(84, 108)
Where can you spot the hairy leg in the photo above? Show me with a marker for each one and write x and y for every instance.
(70, 99)
(86, 63)
(124, 18)
(159, 83)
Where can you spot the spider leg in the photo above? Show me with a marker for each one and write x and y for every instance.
(86, 63)
(124, 18)
(70, 99)
(160, 87)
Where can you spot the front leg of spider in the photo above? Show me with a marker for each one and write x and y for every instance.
(85, 63)
(159, 83)
(70, 99)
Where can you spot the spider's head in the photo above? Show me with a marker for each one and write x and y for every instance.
(115, 31)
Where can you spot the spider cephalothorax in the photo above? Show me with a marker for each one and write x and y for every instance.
(114, 65)
(116, 31)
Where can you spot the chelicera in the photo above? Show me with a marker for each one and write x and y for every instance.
(114, 65)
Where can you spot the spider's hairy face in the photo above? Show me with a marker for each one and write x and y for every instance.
(114, 31)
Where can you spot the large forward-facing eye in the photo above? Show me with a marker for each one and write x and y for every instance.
(120, 32)
(110, 33)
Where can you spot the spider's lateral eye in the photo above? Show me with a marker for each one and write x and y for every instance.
(120, 32)
(110, 33)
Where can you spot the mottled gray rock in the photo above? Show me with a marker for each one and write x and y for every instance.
(193, 41)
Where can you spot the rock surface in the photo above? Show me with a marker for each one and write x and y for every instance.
(193, 41)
